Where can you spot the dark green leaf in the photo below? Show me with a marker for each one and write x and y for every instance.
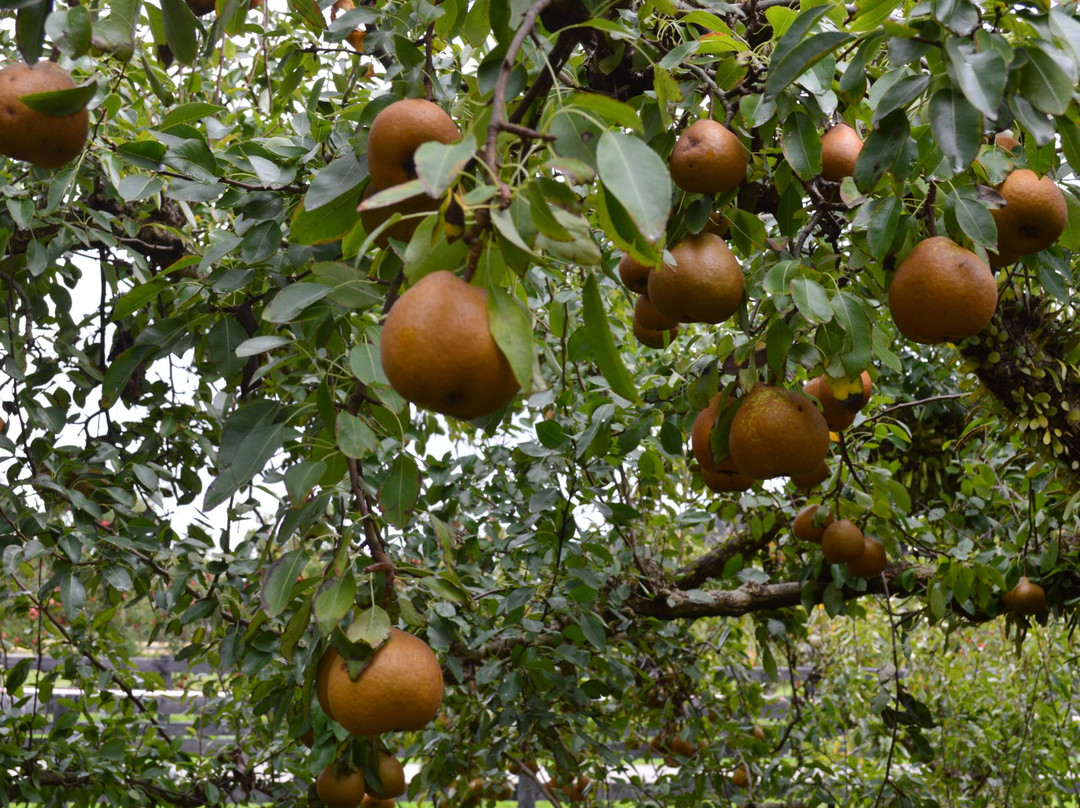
(957, 127)
(1037, 124)
(189, 113)
(638, 178)
(511, 326)
(180, 30)
(399, 492)
(438, 165)
(334, 180)
(900, 95)
(1045, 83)
(981, 75)
(802, 145)
(278, 581)
(883, 226)
(812, 300)
(371, 627)
(334, 601)
(62, 102)
(783, 73)
(330, 223)
(602, 343)
(354, 437)
(292, 300)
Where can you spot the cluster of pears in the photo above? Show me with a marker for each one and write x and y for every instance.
(704, 282)
(26, 134)
(437, 350)
(399, 689)
(943, 292)
(841, 540)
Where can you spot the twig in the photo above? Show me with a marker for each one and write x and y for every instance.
(498, 97)
(896, 683)
(429, 67)
(382, 561)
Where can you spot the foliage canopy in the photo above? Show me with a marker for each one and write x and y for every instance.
(198, 420)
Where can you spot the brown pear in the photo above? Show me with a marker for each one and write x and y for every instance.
(708, 158)
(45, 140)
(704, 285)
(438, 352)
(397, 132)
(777, 433)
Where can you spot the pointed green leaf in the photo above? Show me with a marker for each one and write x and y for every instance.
(981, 75)
(438, 165)
(812, 300)
(354, 437)
(1045, 84)
(899, 95)
(784, 71)
(278, 580)
(511, 326)
(801, 145)
(334, 601)
(638, 178)
(957, 127)
(603, 344)
(399, 491)
(180, 30)
(62, 102)
(292, 300)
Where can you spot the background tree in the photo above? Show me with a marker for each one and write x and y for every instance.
(199, 419)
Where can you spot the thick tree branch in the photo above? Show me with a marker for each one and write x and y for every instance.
(712, 563)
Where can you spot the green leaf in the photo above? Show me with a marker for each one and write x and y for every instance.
(62, 102)
(438, 165)
(602, 343)
(136, 187)
(278, 581)
(295, 629)
(258, 345)
(785, 69)
(576, 136)
(882, 148)
(70, 30)
(883, 226)
(869, 14)
(180, 30)
(336, 178)
(639, 179)
(354, 437)
(811, 300)
(1045, 83)
(334, 601)
(511, 326)
(302, 478)
(292, 300)
(330, 223)
(371, 627)
(72, 593)
(593, 629)
(139, 297)
(959, 16)
(609, 109)
(973, 219)
(250, 437)
(899, 95)
(981, 75)
(1037, 124)
(30, 29)
(581, 249)
(399, 492)
(957, 127)
(778, 341)
(801, 145)
(189, 113)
